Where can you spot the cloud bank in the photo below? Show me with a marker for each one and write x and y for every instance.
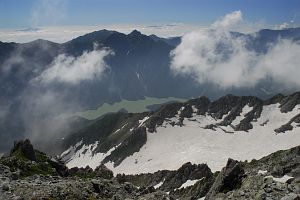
(218, 57)
(65, 33)
(73, 70)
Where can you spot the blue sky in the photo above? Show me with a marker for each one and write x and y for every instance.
(30, 13)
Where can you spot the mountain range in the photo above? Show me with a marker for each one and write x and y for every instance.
(139, 67)
(235, 143)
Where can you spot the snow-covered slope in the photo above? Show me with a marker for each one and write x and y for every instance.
(197, 131)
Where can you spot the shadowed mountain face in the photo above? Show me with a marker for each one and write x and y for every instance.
(139, 67)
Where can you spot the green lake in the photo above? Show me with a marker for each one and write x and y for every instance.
(130, 106)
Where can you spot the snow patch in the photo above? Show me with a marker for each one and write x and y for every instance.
(141, 122)
(262, 172)
(189, 183)
(159, 184)
(138, 75)
(86, 156)
(283, 179)
(66, 155)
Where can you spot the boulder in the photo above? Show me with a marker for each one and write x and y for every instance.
(59, 166)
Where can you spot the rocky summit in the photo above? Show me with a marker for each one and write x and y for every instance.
(276, 176)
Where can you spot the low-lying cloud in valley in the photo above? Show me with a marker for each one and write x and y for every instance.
(36, 109)
(223, 58)
(72, 70)
(43, 105)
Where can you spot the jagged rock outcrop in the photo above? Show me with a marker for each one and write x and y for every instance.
(24, 148)
(171, 181)
(229, 178)
(201, 104)
(157, 118)
(129, 146)
(186, 172)
(288, 103)
(288, 126)
(103, 172)
(59, 166)
(275, 176)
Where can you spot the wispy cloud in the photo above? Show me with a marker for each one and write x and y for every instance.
(48, 12)
(216, 56)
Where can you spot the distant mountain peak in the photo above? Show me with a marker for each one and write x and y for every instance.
(135, 33)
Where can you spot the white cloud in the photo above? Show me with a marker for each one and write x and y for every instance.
(216, 56)
(229, 21)
(282, 63)
(282, 26)
(71, 70)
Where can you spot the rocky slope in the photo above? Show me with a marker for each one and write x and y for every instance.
(275, 176)
(199, 131)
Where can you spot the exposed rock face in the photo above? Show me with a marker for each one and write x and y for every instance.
(288, 126)
(103, 172)
(201, 104)
(186, 172)
(186, 112)
(289, 102)
(229, 178)
(59, 166)
(129, 146)
(273, 177)
(171, 181)
(166, 111)
(25, 147)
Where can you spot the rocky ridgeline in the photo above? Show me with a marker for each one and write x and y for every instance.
(29, 174)
(229, 105)
(128, 131)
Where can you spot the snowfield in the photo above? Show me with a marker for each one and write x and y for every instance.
(171, 147)
(85, 156)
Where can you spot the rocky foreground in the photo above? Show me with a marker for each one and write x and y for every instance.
(29, 174)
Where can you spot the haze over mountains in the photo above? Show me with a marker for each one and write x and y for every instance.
(42, 79)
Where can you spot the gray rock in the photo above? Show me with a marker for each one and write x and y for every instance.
(5, 187)
(291, 196)
(229, 179)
